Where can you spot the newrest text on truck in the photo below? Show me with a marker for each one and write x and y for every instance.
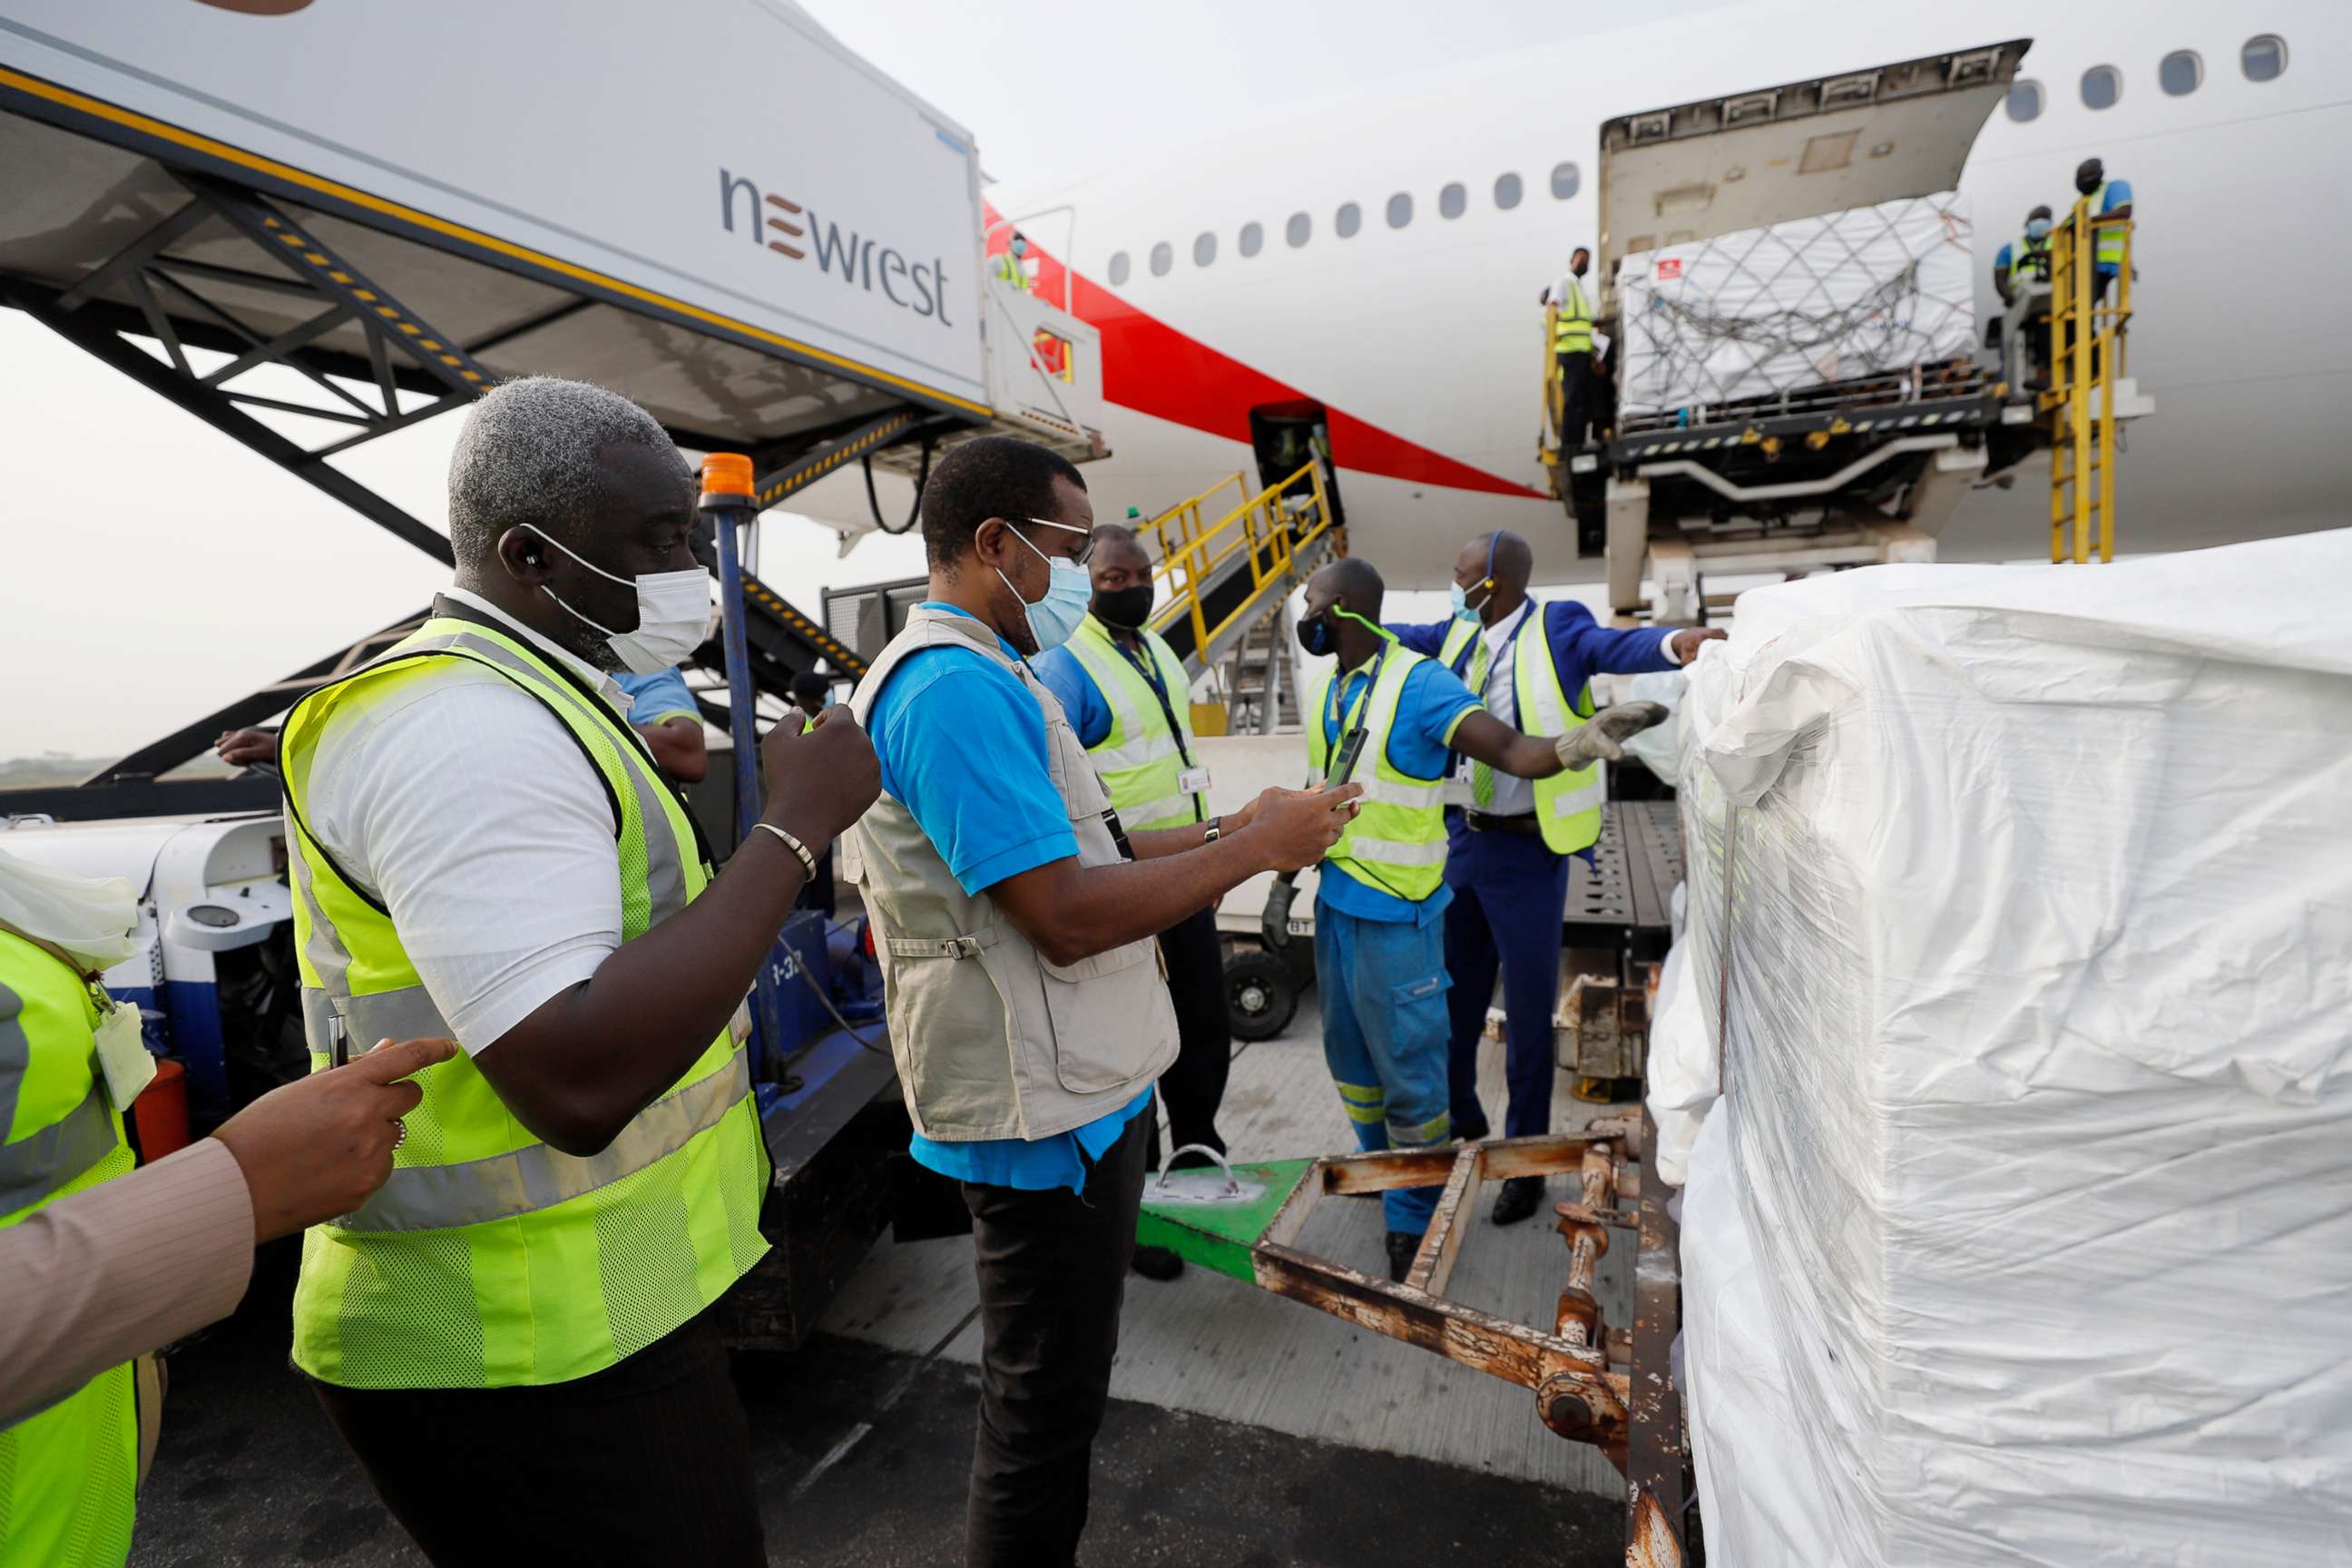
(310, 225)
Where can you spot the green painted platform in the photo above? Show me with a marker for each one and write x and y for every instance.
(1195, 1216)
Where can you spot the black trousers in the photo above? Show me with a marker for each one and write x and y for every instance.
(1195, 1086)
(645, 1462)
(1575, 400)
(1052, 1268)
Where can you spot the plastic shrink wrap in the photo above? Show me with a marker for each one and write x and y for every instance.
(2020, 914)
(1796, 305)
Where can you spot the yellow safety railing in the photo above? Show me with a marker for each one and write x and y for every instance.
(1194, 547)
(2087, 345)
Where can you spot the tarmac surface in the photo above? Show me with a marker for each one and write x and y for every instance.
(249, 1472)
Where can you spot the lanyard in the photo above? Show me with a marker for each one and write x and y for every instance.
(1148, 666)
(1503, 654)
(1333, 719)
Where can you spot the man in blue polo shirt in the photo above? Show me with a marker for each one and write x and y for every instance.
(662, 709)
(1015, 920)
(1508, 841)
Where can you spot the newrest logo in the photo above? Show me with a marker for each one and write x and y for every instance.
(860, 260)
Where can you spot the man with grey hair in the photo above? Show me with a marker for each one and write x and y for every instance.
(482, 848)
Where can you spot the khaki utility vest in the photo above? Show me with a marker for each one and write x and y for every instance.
(990, 1040)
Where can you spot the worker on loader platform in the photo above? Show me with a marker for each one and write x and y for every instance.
(1007, 269)
(1380, 955)
(1508, 842)
(2027, 259)
(2102, 199)
(1571, 344)
(1126, 693)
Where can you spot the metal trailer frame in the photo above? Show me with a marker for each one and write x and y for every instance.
(1612, 1387)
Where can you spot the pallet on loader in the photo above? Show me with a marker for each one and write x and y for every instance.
(1612, 1388)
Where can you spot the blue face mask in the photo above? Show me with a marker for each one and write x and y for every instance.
(1464, 610)
(1068, 591)
(2037, 228)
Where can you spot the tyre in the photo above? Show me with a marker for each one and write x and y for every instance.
(1261, 993)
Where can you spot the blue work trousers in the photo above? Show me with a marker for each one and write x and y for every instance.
(1383, 989)
(1509, 895)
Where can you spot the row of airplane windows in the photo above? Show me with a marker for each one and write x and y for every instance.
(1452, 201)
(2262, 58)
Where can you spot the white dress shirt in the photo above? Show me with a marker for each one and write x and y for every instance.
(1513, 796)
(465, 804)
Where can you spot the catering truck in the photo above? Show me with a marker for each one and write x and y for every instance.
(312, 226)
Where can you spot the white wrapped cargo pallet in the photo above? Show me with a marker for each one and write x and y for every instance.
(2020, 909)
(1796, 305)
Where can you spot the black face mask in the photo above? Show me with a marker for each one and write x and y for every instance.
(1314, 635)
(1125, 609)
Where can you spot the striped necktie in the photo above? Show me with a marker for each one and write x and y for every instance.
(1482, 777)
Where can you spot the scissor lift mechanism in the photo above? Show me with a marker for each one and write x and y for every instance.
(1612, 1387)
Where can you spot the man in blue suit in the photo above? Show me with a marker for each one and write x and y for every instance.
(1508, 840)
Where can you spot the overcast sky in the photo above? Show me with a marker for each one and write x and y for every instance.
(153, 569)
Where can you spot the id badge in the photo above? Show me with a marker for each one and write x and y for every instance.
(122, 1055)
(1192, 780)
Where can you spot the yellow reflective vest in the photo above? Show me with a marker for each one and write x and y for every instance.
(489, 1259)
(1571, 327)
(1397, 842)
(68, 1473)
(1568, 805)
(1151, 742)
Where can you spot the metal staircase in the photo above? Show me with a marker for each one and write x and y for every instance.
(1228, 565)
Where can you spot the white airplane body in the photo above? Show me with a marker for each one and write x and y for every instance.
(1422, 343)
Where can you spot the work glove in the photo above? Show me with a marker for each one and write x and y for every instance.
(1273, 924)
(1601, 739)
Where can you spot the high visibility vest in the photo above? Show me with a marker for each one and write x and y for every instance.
(1397, 842)
(2107, 244)
(490, 1259)
(1568, 805)
(1141, 760)
(1571, 329)
(66, 1472)
(2028, 255)
(1007, 269)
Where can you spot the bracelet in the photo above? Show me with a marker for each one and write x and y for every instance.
(1216, 830)
(792, 844)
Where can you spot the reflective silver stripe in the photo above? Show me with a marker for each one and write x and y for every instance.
(32, 1168)
(475, 1192)
(1138, 753)
(323, 946)
(1387, 792)
(665, 870)
(15, 1055)
(407, 1014)
(1387, 852)
(1568, 803)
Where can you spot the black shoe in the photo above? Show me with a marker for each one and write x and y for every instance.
(1160, 1263)
(1520, 1196)
(1402, 1246)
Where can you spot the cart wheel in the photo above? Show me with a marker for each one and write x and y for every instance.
(1261, 993)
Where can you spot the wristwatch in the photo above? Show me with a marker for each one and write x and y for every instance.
(1215, 830)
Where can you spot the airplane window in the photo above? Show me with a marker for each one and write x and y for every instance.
(1117, 268)
(1204, 248)
(1253, 239)
(1297, 230)
(2182, 73)
(1399, 210)
(1162, 259)
(2102, 85)
(1451, 200)
(2024, 100)
(1507, 192)
(2263, 57)
(1564, 181)
(1347, 220)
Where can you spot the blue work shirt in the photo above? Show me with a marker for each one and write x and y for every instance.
(656, 698)
(962, 747)
(1432, 707)
(1082, 700)
(1580, 646)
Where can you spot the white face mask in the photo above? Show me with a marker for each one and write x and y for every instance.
(674, 614)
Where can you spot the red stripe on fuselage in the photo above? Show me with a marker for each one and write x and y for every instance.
(1152, 368)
